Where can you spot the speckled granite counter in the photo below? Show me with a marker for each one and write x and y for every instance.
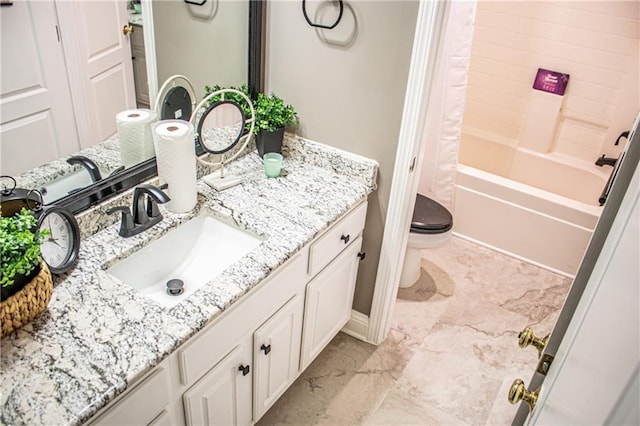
(98, 336)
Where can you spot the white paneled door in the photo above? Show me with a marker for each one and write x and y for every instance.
(100, 66)
(37, 121)
(594, 376)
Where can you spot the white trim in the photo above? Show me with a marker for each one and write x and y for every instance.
(405, 183)
(69, 33)
(358, 326)
(148, 32)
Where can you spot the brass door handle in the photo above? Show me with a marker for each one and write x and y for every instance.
(518, 392)
(127, 29)
(526, 338)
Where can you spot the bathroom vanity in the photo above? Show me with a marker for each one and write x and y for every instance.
(104, 353)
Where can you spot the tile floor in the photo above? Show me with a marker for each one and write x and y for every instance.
(450, 356)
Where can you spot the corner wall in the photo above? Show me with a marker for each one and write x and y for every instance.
(348, 87)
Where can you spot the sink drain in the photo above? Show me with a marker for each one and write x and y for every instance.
(175, 287)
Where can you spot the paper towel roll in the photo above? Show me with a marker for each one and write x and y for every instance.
(176, 160)
(134, 135)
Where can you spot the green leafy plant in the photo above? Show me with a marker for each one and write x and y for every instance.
(19, 246)
(272, 113)
(230, 96)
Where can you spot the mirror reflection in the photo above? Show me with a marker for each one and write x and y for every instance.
(220, 127)
(58, 103)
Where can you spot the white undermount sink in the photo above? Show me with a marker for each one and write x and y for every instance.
(194, 252)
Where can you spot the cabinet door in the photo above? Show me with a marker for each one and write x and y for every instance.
(276, 348)
(223, 395)
(328, 302)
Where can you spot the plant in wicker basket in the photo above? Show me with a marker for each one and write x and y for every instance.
(24, 278)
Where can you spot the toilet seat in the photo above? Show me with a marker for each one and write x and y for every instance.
(430, 217)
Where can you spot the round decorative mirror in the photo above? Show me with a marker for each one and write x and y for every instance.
(223, 126)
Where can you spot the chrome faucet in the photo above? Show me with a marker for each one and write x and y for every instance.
(145, 210)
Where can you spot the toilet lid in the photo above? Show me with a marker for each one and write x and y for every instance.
(430, 217)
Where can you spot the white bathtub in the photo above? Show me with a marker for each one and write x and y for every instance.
(547, 229)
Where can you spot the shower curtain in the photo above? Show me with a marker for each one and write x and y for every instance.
(445, 110)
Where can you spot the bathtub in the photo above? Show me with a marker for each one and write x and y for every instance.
(510, 215)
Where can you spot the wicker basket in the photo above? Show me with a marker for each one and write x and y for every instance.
(27, 303)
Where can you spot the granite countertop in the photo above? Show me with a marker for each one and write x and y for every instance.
(97, 336)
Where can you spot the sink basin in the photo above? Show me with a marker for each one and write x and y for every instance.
(195, 253)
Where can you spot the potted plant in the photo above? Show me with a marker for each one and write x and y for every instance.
(24, 278)
(272, 115)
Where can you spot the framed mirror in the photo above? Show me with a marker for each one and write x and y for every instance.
(114, 180)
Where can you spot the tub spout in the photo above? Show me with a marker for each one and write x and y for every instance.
(606, 161)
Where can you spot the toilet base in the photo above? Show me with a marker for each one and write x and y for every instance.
(411, 268)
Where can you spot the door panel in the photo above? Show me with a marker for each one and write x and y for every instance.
(36, 111)
(223, 395)
(276, 347)
(102, 71)
(600, 354)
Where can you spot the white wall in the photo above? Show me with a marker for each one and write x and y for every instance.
(348, 86)
(597, 43)
(208, 44)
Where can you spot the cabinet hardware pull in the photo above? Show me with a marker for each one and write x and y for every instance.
(345, 238)
(362, 255)
(245, 369)
(266, 349)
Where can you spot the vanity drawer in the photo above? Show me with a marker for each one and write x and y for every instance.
(143, 404)
(336, 239)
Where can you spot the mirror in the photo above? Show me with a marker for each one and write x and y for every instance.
(220, 127)
(76, 180)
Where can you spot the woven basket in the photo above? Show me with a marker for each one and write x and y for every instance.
(27, 303)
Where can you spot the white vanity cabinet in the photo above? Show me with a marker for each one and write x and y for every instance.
(328, 303)
(235, 369)
(276, 355)
(223, 395)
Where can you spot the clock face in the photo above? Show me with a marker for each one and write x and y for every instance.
(60, 248)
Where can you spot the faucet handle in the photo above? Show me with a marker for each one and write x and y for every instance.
(152, 205)
(126, 223)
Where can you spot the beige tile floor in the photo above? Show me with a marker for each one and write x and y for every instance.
(450, 356)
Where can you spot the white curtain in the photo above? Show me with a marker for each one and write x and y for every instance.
(446, 105)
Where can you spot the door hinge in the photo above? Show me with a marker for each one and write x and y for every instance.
(544, 364)
(58, 33)
(413, 164)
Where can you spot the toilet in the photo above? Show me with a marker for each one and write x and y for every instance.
(431, 226)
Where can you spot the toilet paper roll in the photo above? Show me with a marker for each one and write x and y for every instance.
(134, 135)
(176, 160)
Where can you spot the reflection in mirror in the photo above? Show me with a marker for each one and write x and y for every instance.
(176, 99)
(84, 121)
(220, 127)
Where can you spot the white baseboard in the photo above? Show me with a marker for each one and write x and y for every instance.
(358, 326)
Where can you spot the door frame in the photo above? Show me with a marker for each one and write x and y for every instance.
(406, 175)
